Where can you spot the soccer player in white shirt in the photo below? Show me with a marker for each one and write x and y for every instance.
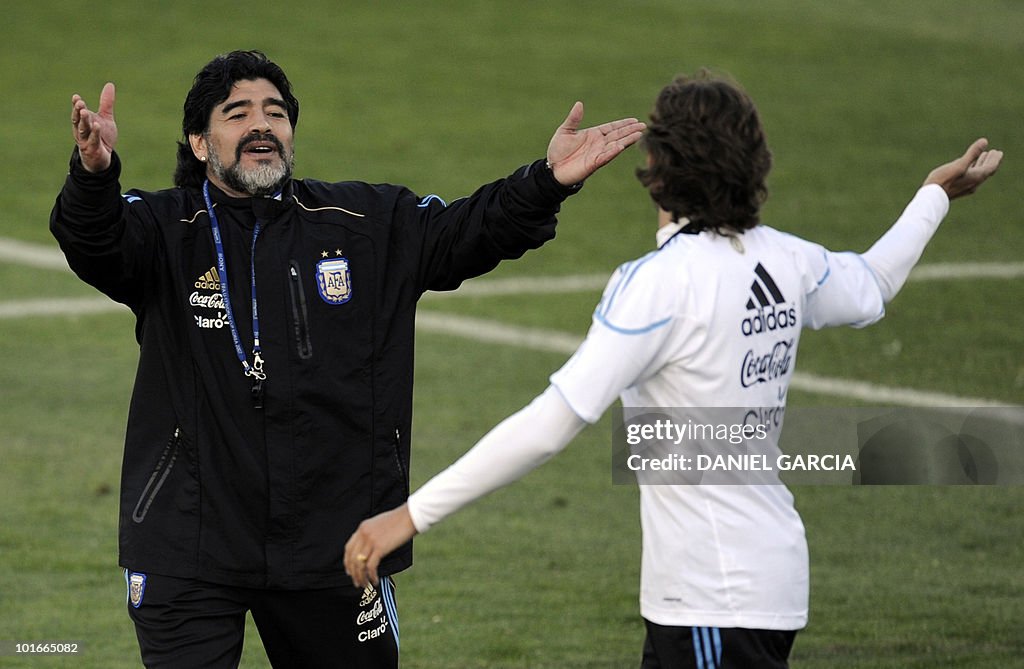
(712, 318)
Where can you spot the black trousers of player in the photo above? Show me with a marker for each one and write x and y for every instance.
(715, 648)
(183, 623)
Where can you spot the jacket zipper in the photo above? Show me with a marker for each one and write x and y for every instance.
(398, 459)
(300, 318)
(156, 480)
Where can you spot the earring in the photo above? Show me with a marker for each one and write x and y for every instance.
(203, 159)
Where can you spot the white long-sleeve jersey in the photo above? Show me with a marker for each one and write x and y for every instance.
(687, 326)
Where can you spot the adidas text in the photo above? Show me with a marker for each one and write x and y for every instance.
(768, 319)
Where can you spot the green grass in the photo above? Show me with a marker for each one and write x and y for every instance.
(860, 99)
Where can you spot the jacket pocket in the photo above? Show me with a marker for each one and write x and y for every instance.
(156, 480)
(300, 316)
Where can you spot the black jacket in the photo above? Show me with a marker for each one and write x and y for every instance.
(213, 487)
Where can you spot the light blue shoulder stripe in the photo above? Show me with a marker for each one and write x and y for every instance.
(828, 270)
(605, 303)
(871, 273)
(425, 202)
(631, 331)
(629, 271)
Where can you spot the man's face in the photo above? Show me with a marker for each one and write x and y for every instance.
(249, 148)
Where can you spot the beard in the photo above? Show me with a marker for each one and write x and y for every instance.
(263, 180)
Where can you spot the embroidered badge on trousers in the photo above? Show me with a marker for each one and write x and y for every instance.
(136, 588)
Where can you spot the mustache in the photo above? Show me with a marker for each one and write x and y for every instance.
(254, 139)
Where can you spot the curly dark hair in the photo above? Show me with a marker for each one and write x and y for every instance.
(707, 154)
(212, 86)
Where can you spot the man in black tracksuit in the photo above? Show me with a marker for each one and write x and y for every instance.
(273, 398)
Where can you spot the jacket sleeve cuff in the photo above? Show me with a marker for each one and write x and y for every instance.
(548, 185)
(89, 197)
(86, 181)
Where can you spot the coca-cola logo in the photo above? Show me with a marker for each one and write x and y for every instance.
(764, 367)
(369, 615)
(211, 301)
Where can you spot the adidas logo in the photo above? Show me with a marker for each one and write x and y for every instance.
(211, 280)
(764, 302)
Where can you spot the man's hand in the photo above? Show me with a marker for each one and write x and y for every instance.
(963, 175)
(373, 540)
(95, 132)
(575, 154)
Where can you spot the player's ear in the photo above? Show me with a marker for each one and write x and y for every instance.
(199, 146)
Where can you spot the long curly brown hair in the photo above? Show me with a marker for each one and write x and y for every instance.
(707, 154)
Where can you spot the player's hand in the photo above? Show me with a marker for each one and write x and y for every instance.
(963, 175)
(95, 132)
(374, 539)
(575, 154)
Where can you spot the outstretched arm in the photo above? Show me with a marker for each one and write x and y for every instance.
(854, 288)
(894, 255)
(108, 243)
(95, 132)
(575, 154)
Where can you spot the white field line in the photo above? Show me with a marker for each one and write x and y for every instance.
(554, 341)
(967, 270)
(49, 257)
(496, 332)
(578, 283)
(550, 341)
(59, 306)
(529, 285)
(538, 339)
(33, 255)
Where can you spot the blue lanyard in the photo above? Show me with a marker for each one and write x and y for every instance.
(254, 370)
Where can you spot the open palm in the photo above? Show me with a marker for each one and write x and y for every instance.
(575, 154)
(95, 132)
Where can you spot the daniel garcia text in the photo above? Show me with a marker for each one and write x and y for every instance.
(745, 462)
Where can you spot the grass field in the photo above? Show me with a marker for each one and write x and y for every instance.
(860, 99)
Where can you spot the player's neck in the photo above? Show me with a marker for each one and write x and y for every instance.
(664, 218)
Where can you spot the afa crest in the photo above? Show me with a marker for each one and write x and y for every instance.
(136, 588)
(334, 280)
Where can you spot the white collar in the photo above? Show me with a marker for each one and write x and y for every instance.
(669, 230)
